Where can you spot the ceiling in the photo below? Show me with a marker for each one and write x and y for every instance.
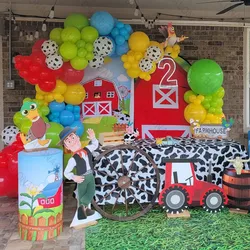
(123, 10)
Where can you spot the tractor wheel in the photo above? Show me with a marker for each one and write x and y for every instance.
(175, 199)
(213, 201)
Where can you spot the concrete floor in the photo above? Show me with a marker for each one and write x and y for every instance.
(69, 239)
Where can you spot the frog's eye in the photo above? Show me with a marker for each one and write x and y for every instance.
(25, 112)
(33, 106)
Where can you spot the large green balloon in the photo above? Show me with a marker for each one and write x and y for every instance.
(79, 63)
(205, 77)
(70, 34)
(89, 34)
(78, 21)
(68, 50)
(55, 35)
(53, 133)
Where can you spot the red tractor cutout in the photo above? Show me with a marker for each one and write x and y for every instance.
(182, 189)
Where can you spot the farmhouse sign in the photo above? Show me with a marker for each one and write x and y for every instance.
(211, 131)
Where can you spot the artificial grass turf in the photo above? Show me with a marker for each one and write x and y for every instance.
(154, 231)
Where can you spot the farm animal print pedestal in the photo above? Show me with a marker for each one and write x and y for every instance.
(40, 189)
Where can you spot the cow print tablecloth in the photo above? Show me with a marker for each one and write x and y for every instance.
(215, 151)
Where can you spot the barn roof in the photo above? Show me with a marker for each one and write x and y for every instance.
(108, 80)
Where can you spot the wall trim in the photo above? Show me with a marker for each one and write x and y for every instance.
(1, 92)
(159, 22)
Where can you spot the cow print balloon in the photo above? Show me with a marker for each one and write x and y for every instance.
(103, 46)
(54, 62)
(9, 134)
(49, 48)
(97, 62)
(145, 64)
(153, 53)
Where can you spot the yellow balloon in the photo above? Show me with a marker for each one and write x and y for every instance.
(138, 41)
(131, 53)
(148, 78)
(143, 75)
(168, 50)
(38, 90)
(177, 48)
(200, 97)
(133, 73)
(131, 59)
(135, 65)
(124, 58)
(58, 97)
(197, 102)
(192, 98)
(60, 88)
(195, 112)
(39, 96)
(75, 94)
(50, 98)
(138, 56)
(127, 65)
(174, 54)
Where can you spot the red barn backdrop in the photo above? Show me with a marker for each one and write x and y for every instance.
(159, 103)
(102, 97)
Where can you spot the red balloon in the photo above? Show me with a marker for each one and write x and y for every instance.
(8, 151)
(35, 68)
(17, 146)
(13, 164)
(18, 59)
(33, 79)
(3, 182)
(47, 85)
(70, 75)
(3, 161)
(26, 60)
(11, 185)
(39, 58)
(37, 45)
(24, 73)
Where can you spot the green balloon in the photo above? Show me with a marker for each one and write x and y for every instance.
(53, 133)
(205, 77)
(71, 34)
(82, 52)
(187, 95)
(89, 34)
(78, 21)
(218, 111)
(90, 56)
(206, 105)
(89, 47)
(68, 50)
(65, 60)
(79, 63)
(80, 44)
(55, 35)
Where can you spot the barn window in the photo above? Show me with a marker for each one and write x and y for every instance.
(97, 95)
(165, 98)
(111, 94)
(98, 83)
(87, 95)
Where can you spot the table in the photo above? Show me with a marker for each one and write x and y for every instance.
(214, 152)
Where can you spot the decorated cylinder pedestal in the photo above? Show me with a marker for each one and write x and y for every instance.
(40, 194)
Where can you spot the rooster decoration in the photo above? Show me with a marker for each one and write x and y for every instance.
(170, 44)
(226, 124)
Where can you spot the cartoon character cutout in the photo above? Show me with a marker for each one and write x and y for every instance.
(82, 162)
(36, 137)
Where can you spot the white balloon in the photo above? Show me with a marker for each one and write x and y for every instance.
(49, 48)
(145, 64)
(96, 62)
(54, 62)
(9, 134)
(153, 53)
(103, 46)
